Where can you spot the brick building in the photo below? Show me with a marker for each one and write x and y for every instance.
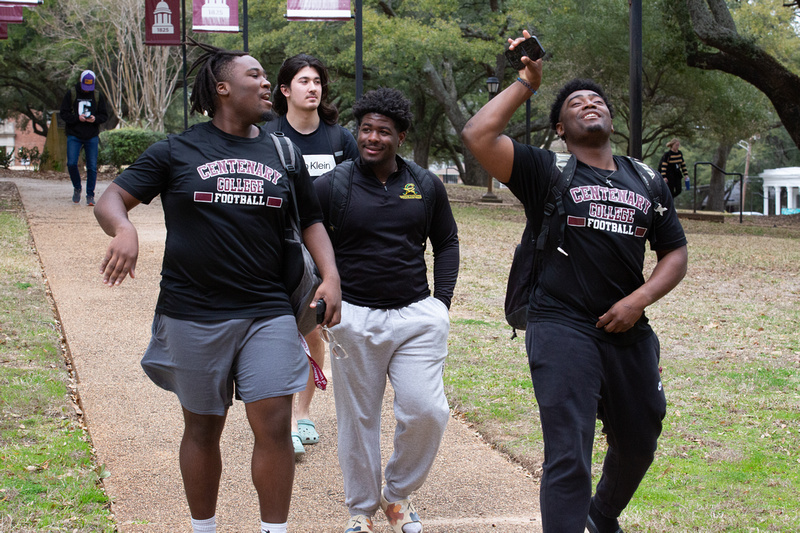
(12, 138)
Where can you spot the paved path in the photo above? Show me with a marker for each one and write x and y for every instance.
(136, 427)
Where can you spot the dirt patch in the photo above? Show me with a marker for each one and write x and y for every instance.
(9, 197)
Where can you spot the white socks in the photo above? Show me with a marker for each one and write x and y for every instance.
(209, 525)
(414, 527)
(274, 528)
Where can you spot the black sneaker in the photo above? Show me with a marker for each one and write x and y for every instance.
(76, 196)
(593, 528)
(90, 200)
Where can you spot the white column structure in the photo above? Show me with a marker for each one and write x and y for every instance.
(778, 179)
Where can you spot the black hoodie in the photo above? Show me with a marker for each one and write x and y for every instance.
(77, 101)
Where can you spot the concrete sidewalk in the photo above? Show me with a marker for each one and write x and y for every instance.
(136, 427)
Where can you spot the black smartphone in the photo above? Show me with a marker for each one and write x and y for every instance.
(320, 311)
(530, 47)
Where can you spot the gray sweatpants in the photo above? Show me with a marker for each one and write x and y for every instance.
(408, 345)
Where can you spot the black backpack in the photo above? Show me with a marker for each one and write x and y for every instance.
(339, 198)
(545, 223)
(300, 273)
(332, 132)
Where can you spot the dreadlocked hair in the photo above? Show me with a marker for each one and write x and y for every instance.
(213, 66)
(387, 102)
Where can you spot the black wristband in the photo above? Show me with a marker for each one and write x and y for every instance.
(527, 85)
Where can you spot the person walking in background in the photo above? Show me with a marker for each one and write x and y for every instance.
(307, 117)
(380, 211)
(673, 168)
(83, 109)
(223, 320)
(591, 350)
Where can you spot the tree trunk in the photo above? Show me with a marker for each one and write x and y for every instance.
(716, 190)
(421, 150)
(714, 26)
(444, 90)
(474, 173)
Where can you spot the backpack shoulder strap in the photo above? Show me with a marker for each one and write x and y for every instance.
(335, 140)
(554, 218)
(286, 152)
(424, 181)
(339, 197)
(648, 175)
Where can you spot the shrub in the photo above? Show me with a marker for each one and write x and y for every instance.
(30, 157)
(6, 158)
(123, 146)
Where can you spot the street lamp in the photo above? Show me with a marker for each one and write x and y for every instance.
(493, 86)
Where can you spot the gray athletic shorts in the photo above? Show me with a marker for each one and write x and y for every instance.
(201, 361)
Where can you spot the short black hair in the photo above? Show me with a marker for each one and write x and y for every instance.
(387, 102)
(577, 84)
(289, 69)
(214, 66)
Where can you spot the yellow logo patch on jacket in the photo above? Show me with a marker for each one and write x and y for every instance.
(410, 192)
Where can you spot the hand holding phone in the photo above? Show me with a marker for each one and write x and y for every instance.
(320, 311)
(530, 47)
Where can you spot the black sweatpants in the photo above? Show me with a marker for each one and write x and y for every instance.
(578, 378)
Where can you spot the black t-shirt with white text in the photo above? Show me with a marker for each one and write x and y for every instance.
(225, 200)
(318, 147)
(607, 223)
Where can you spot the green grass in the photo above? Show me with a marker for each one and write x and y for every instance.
(729, 456)
(49, 480)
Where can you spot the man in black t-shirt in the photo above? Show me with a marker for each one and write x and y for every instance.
(590, 347)
(223, 317)
(307, 118)
(391, 324)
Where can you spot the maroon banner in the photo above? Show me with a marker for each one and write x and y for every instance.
(11, 14)
(162, 22)
(22, 2)
(215, 16)
(3, 31)
(318, 9)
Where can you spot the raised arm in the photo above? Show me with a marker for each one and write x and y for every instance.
(483, 134)
(111, 212)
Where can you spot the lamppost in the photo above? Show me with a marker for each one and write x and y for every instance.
(493, 86)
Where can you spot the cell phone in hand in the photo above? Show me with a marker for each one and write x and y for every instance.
(530, 47)
(320, 311)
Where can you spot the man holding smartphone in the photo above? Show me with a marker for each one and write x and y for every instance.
(590, 348)
(83, 109)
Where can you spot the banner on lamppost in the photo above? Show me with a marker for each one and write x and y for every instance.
(162, 22)
(215, 16)
(3, 30)
(10, 14)
(318, 9)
